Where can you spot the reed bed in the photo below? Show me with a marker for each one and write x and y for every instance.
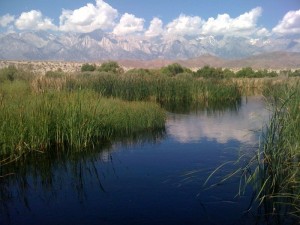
(77, 119)
(159, 88)
(274, 170)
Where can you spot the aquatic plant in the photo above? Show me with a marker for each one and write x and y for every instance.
(37, 121)
(273, 170)
(276, 178)
(184, 89)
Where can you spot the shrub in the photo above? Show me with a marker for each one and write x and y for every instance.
(172, 69)
(9, 73)
(209, 72)
(111, 66)
(246, 72)
(88, 67)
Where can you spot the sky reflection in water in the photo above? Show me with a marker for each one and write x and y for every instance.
(220, 126)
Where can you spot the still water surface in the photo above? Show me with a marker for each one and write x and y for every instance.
(157, 180)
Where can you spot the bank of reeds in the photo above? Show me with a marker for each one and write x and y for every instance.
(276, 177)
(273, 171)
(77, 119)
(259, 86)
(148, 87)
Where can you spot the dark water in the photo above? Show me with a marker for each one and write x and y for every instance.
(151, 180)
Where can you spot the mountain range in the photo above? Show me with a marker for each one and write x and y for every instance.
(99, 45)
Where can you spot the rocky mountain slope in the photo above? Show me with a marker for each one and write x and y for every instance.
(99, 45)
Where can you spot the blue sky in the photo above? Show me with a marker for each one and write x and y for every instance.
(124, 17)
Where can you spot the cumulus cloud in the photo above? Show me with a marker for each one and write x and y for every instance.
(184, 25)
(6, 20)
(89, 18)
(225, 25)
(262, 32)
(34, 20)
(129, 24)
(155, 28)
(290, 24)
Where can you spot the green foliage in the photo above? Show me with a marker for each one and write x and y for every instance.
(276, 178)
(250, 73)
(274, 169)
(73, 119)
(88, 67)
(209, 72)
(246, 72)
(295, 73)
(140, 71)
(111, 66)
(227, 73)
(183, 88)
(9, 73)
(173, 69)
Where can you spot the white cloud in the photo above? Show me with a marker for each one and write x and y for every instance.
(6, 20)
(184, 25)
(155, 28)
(262, 32)
(290, 24)
(225, 25)
(89, 18)
(34, 20)
(129, 24)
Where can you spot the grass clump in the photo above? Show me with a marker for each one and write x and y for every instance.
(76, 119)
(273, 171)
(276, 177)
(138, 85)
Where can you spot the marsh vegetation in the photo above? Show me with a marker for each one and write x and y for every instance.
(79, 112)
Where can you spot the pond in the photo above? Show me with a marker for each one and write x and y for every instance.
(157, 179)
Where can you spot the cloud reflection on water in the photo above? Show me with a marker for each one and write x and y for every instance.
(220, 126)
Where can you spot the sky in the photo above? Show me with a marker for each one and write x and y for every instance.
(152, 18)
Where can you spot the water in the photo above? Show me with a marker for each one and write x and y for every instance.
(157, 180)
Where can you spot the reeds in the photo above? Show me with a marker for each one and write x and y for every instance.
(76, 110)
(274, 170)
(76, 119)
(161, 89)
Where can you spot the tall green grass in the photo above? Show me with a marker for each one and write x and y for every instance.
(182, 89)
(273, 170)
(77, 119)
(276, 178)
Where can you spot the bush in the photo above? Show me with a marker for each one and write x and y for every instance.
(227, 73)
(246, 72)
(209, 72)
(143, 72)
(111, 66)
(173, 69)
(9, 73)
(296, 73)
(88, 67)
